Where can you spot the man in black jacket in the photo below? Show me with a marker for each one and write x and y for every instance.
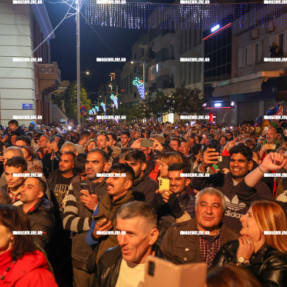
(124, 265)
(39, 209)
(143, 185)
(14, 126)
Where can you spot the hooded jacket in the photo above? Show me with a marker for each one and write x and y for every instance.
(29, 270)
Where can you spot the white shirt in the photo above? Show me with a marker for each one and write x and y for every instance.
(130, 274)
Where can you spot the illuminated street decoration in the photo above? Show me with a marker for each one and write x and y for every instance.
(115, 100)
(140, 86)
(103, 106)
(143, 15)
(97, 109)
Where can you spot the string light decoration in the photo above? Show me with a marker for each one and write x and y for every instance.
(115, 100)
(147, 16)
(140, 86)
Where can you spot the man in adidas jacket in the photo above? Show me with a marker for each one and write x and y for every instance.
(238, 194)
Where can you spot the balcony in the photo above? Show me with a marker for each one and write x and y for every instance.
(262, 66)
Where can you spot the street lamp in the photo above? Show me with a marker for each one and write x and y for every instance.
(78, 5)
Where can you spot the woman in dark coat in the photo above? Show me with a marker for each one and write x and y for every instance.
(260, 249)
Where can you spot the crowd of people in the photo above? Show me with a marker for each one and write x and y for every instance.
(88, 205)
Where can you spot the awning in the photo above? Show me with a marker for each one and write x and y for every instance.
(245, 87)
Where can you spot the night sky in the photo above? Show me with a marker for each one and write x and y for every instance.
(95, 42)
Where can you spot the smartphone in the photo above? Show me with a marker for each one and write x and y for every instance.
(99, 218)
(223, 162)
(84, 186)
(147, 143)
(202, 149)
(159, 272)
(163, 184)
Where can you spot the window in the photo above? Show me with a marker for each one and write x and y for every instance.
(258, 53)
(281, 41)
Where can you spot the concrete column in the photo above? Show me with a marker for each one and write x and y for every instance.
(261, 108)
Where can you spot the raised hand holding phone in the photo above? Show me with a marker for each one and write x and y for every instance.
(89, 200)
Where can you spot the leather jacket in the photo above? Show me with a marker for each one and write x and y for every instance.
(268, 265)
(108, 268)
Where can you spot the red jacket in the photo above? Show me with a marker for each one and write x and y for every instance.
(29, 271)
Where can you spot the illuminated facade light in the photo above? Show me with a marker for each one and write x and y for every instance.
(215, 28)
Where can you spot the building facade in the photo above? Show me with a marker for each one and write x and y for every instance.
(26, 75)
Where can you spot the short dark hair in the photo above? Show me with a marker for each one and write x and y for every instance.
(105, 135)
(84, 134)
(242, 149)
(26, 139)
(138, 209)
(42, 183)
(126, 133)
(229, 276)
(13, 122)
(178, 167)
(17, 161)
(124, 168)
(195, 149)
(175, 139)
(124, 152)
(113, 136)
(15, 219)
(80, 161)
(100, 151)
(136, 155)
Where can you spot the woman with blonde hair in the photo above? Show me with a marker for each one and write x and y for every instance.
(166, 160)
(262, 246)
(90, 145)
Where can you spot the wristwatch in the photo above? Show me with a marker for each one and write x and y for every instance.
(240, 260)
